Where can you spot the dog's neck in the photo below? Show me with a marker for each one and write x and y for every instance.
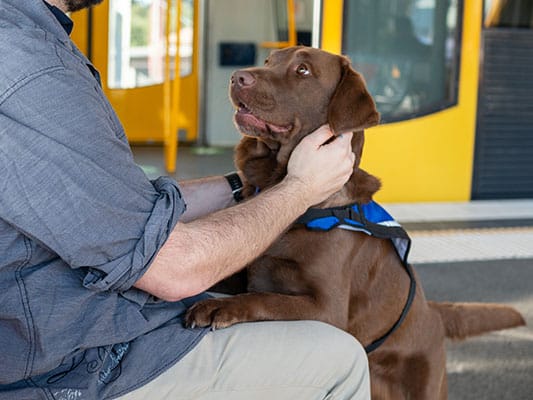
(361, 186)
(264, 164)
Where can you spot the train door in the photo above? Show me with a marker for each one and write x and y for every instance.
(140, 51)
(503, 163)
(240, 33)
(420, 61)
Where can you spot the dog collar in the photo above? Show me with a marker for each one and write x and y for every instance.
(374, 220)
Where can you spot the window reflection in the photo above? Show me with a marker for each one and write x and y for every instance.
(509, 14)
(407, 51)
(137, 40)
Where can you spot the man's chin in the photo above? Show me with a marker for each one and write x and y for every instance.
(76, 5)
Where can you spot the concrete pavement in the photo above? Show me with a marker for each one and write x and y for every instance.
(496, 366)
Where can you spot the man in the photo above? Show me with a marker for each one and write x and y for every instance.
(98, 264)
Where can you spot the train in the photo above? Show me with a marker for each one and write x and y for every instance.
(451, 79)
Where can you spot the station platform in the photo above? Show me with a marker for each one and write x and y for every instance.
(480, 251)
(467, 231)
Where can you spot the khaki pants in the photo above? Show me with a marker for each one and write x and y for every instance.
(267, 360)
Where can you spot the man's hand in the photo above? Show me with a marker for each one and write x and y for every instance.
(322, 169)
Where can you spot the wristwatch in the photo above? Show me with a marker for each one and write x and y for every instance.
(235, 184)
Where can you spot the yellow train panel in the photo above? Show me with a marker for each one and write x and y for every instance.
(427, 158)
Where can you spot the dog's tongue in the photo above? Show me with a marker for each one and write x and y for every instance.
(277, 129)
(249, 119)
(245, 117)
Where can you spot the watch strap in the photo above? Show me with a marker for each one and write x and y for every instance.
(235, 184)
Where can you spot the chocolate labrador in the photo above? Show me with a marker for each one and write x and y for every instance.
(357, 279)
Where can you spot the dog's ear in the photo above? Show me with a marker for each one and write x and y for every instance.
(351, 108)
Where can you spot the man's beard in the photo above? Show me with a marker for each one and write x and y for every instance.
(75, 5)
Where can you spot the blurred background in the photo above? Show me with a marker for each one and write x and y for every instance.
(450, 78)
(454, 150)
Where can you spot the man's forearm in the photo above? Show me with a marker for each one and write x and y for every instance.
(204, 251)
(205, 196)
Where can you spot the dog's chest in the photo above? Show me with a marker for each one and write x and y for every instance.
(302, 259)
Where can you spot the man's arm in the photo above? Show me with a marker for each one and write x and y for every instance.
(204, 251)
(204, 196)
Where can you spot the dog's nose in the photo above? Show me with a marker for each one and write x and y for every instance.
(242, 78)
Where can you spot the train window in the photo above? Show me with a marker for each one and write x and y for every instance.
(137, 38)
(508, 14)
(408, 52)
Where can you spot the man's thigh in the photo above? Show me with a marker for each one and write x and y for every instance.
(266, 360)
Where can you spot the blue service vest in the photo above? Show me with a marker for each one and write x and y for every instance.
(369, 218)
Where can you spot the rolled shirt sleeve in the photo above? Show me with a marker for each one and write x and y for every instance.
(121, 273)
(69, 181)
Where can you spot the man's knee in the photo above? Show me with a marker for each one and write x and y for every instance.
(323, 348)
(338, 344)
(334, 336)
(343, 361)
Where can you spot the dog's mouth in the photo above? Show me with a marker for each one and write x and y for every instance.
(251, 124)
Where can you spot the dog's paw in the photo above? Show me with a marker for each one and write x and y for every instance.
(217, 313)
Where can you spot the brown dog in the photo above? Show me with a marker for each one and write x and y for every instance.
(352, 280)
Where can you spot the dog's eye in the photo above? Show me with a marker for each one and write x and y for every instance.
(266, 61)
(303, 70)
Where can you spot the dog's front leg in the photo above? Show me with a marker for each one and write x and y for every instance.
(247, 307)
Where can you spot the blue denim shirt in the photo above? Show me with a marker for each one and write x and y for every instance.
(79, 224)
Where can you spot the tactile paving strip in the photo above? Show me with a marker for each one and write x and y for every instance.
(471, 245)
(461, 211)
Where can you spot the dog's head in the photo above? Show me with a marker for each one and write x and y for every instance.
(296, 91)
